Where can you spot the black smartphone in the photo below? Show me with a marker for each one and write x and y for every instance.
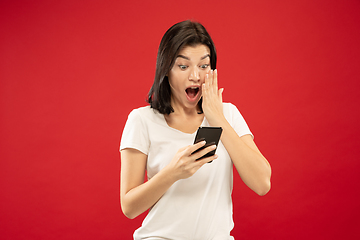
(211, 135)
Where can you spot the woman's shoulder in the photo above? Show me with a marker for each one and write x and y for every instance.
(228, 107)
(231, 111)
(145, 112)
(227, 104)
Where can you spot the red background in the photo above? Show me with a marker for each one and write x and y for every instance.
(71, 71)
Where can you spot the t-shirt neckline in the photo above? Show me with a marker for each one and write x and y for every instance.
(177, 130)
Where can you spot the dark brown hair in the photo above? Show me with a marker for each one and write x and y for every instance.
(186, 33)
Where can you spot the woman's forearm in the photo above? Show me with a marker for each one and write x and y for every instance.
(251, 165)
(137, 196)
(141, 198)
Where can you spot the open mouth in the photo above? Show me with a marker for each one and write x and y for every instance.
(192, 92)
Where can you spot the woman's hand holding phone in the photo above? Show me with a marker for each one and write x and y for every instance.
(211, 135)
(185, 163)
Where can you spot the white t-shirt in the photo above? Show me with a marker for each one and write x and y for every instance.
(199, 207)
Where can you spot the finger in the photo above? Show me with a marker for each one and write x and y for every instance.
(207, 81)
(196, 146)
(220, 94)
(214, 84)
(211, 82)
(203, 90)
(211, 77)
(208, 159)
(203, 161)
(204, 151)
(183, 148)
(216, 79)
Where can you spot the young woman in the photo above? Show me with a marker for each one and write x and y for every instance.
(187, 198)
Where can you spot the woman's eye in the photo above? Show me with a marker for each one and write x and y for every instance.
(182, 67)
(204, 66)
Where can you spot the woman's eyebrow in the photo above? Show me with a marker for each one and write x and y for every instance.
(182, 56)
(207, 55)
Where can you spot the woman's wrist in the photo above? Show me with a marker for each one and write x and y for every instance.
(218, 122)
(168, 175)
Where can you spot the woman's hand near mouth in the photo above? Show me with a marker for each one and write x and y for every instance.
(212, 100)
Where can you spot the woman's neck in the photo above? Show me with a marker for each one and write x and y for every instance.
(181, 110)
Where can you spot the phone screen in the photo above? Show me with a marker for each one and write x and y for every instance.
(211, 135)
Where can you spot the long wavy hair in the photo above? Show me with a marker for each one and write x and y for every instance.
(180, 35)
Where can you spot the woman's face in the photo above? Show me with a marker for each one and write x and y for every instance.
(188, 74)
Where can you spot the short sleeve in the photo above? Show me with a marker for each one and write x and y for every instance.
(238, 122)
(135, 134)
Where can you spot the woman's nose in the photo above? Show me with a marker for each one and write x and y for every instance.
(194, 74)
